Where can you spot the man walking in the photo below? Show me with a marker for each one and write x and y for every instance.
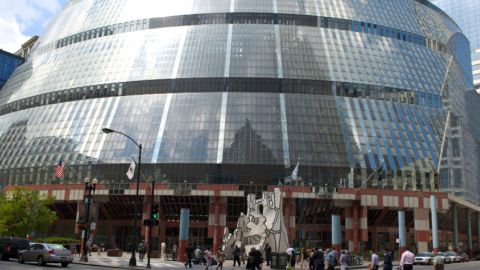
(189, 254)
(374, 261)
(141, 250)
(387, 260)
(407, 260)
(438, 262)
(268, 254)
(343, 260)
(236, 255)
(318, 260)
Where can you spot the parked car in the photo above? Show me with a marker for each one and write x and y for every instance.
(464, 257)
(454, 257)
(424, 258)
(10, 247)
(446, 259)
(46, 253)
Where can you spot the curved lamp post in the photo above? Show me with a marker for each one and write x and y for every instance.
(89, 190)
(133, 259)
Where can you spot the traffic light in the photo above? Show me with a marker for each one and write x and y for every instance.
(154, 213)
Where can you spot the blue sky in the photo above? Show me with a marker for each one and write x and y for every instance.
(21, 19)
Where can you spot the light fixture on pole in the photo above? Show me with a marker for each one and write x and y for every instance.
(89, 190)
(133, 259)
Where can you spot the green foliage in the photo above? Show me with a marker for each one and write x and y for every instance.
(23, 212)
(57, 240)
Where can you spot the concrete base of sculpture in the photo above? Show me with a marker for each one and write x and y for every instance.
(262, 224)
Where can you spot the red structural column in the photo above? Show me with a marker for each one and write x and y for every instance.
(216, 225)
(355, 227)
(349, 228)
(289, 218)
(422, 228)
(364, 224)
(217, 220)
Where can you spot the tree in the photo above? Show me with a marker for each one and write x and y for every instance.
(23, 212)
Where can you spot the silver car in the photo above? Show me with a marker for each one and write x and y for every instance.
(46, 253)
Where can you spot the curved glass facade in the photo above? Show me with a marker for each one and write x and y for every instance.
(230, 91)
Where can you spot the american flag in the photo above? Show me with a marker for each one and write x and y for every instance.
(59, 169)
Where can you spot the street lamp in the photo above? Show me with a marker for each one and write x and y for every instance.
(89, 190)
(133, 259)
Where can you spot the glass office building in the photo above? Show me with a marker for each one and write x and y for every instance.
(8, 63)
(466, 14)
(225, 91)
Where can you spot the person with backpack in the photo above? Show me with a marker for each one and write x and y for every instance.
(387, 260)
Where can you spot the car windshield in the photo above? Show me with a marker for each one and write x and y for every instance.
(56, 247)
(451, 254)
(441, 254)
(424, 255)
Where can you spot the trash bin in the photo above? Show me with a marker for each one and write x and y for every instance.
(274, 262)
(282, 261)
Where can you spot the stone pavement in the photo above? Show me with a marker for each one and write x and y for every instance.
(122, 263)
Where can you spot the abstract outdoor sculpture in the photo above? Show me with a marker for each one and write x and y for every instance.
(262, 224)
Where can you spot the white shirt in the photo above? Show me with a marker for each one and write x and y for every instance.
(290, 250)
(407, 258)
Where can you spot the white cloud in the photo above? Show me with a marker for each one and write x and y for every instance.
(20, 17)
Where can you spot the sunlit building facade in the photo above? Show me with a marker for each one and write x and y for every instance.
(226, 94)
(466, 14)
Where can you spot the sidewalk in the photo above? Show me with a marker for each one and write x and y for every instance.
(122, 263)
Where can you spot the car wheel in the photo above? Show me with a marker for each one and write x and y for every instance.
(40, 261)
(20, 259)
(64, 264)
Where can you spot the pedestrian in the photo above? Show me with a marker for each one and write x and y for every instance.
(331, 259)
(129, 248)
(141, 250)
(242, 253)
(78, 248)
(174, 252)
(189, 254)
(220, 259)
(89, 247)
(254, 259)
(387, 260)
(304, 257)
(407, 260)
(374, 261)
(343, 260)
(438, 261)
(291, 256)
(236, 255)
(208, 258)
(268, 254)
(318, 259)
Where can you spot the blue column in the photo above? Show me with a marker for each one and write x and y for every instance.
(402, 232)
(336, 232)
(455, 227)
(183, 234)
(469, 230)
(433, 210)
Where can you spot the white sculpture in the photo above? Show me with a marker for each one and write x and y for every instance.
(262, 224)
